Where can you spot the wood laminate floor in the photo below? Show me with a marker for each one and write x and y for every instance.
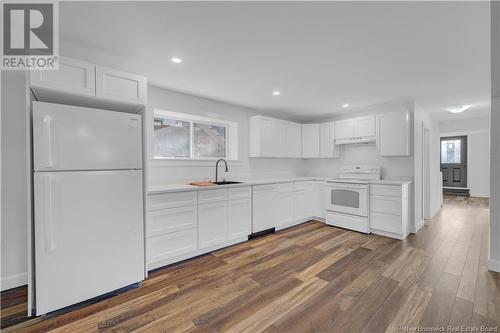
(309, 278)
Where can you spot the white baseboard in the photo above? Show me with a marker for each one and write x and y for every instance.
(494, 265)
(14, 280)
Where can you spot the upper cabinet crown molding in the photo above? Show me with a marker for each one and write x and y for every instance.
(82, 83)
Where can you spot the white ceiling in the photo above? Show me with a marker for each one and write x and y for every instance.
(319, 55)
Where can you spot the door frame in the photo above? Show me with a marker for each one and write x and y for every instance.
(452, 134)
(426, 172)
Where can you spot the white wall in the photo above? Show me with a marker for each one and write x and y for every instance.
(477, 131)
(494, 257)
(245, 168)
(14, 182)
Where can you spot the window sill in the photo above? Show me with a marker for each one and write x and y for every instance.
(190, 163)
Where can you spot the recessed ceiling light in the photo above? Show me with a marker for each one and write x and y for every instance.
(345, 105)
(458, 109)
(276, 93)
(176, 60)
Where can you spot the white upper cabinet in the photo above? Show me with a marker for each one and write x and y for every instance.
(364, 127)
(115, 84)
(310, 140)
(327, 147)
(78, 82)
(293, 140)
(73, 76)
(344, 129)
(270, 137)
(393, 134)
(355, 130)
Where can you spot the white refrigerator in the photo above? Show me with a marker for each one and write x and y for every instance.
(88, 203)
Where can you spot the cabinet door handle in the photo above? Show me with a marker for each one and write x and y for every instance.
(50, 244)
(47, 128)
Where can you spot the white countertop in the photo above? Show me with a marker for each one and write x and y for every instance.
(165, 188)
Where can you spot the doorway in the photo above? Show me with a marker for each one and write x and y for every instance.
(454, 161)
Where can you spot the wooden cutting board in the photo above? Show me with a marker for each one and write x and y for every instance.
(202, 184)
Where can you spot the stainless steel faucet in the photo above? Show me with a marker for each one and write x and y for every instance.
(217, 168)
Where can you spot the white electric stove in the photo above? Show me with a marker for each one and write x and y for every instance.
(347, 203)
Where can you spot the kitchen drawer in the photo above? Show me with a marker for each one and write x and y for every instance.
(302, 186)
(265, 188)
(212, 195)
(169, 220)
(386, 190)
(239, 192)
(285, 187)
(385, 204)
(171, 200)
(386, 222)
(170, 245)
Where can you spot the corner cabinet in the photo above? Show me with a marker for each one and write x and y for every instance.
(393, 134)
(310, 140)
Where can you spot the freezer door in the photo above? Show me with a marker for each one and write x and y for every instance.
(77, 138)
(89, 235)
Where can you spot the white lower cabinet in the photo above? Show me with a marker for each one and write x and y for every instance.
(162, 248)
(299, 204)
(264, 212)
(239, 217)
(181, 225)
(389, 213)
(285, 206)
(212, 223)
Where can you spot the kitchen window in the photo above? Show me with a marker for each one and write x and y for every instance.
(190, 137)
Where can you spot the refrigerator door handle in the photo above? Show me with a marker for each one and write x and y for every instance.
(47, 129)
(50, 244)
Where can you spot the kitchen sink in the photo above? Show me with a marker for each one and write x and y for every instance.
(226, 182)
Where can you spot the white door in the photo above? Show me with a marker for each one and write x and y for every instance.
(327, 147)
(239, 218)
(310, 140)
(76, 138)
(285, 204)
(364, 127)
(293, 140)
(89, 235)
(264, 213)
(212, 223)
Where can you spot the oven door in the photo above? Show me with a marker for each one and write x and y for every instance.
(347, 198)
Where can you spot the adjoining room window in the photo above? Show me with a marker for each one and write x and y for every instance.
(184, 136)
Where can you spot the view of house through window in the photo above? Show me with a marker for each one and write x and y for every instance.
(189, 138)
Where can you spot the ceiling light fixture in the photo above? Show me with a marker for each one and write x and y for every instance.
(176, 60)
(276, 93)
(345, 105)
(458, 109)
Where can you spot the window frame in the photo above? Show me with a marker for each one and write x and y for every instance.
(231, 143)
